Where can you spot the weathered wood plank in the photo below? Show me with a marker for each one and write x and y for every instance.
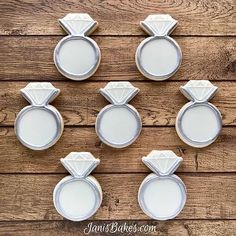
(219, 157)
(31, 58)
(79, 103)
(118, 17)
(29, 197)
(59, 228)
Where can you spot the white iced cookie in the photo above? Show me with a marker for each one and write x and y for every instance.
(77, 56)
(198, 122)
(162, 195)
(78, 196)
(159, 56)
(119, 124)
(39, 125)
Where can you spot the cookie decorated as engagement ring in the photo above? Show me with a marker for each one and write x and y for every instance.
(39, 125)
(162, 195)
(198, 122)
(78, 196)
(77, 56)
(159, 56)
(118, 124)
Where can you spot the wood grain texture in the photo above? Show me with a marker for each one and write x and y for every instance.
(31, 58)
(61, 228)
(219, 157)
(29, 197)
(29, 32)
(79, 103)
(118, 17)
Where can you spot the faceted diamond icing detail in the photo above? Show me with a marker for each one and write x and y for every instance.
(80, 164)
(119, 92)
(162, 162)
(199, 90)
(78, 17)
(160, 24)
(40, 93)
(77, 23)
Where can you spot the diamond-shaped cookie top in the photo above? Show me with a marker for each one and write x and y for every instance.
(119, 92)
(78, 23)
(199, 90)
(162, 162)
(159, 24)
(40, 93)
(80, 164)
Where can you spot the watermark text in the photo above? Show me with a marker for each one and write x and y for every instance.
(119, 227)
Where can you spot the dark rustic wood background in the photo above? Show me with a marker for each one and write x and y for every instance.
(29, 31)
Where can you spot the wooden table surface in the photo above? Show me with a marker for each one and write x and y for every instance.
(29, 31)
